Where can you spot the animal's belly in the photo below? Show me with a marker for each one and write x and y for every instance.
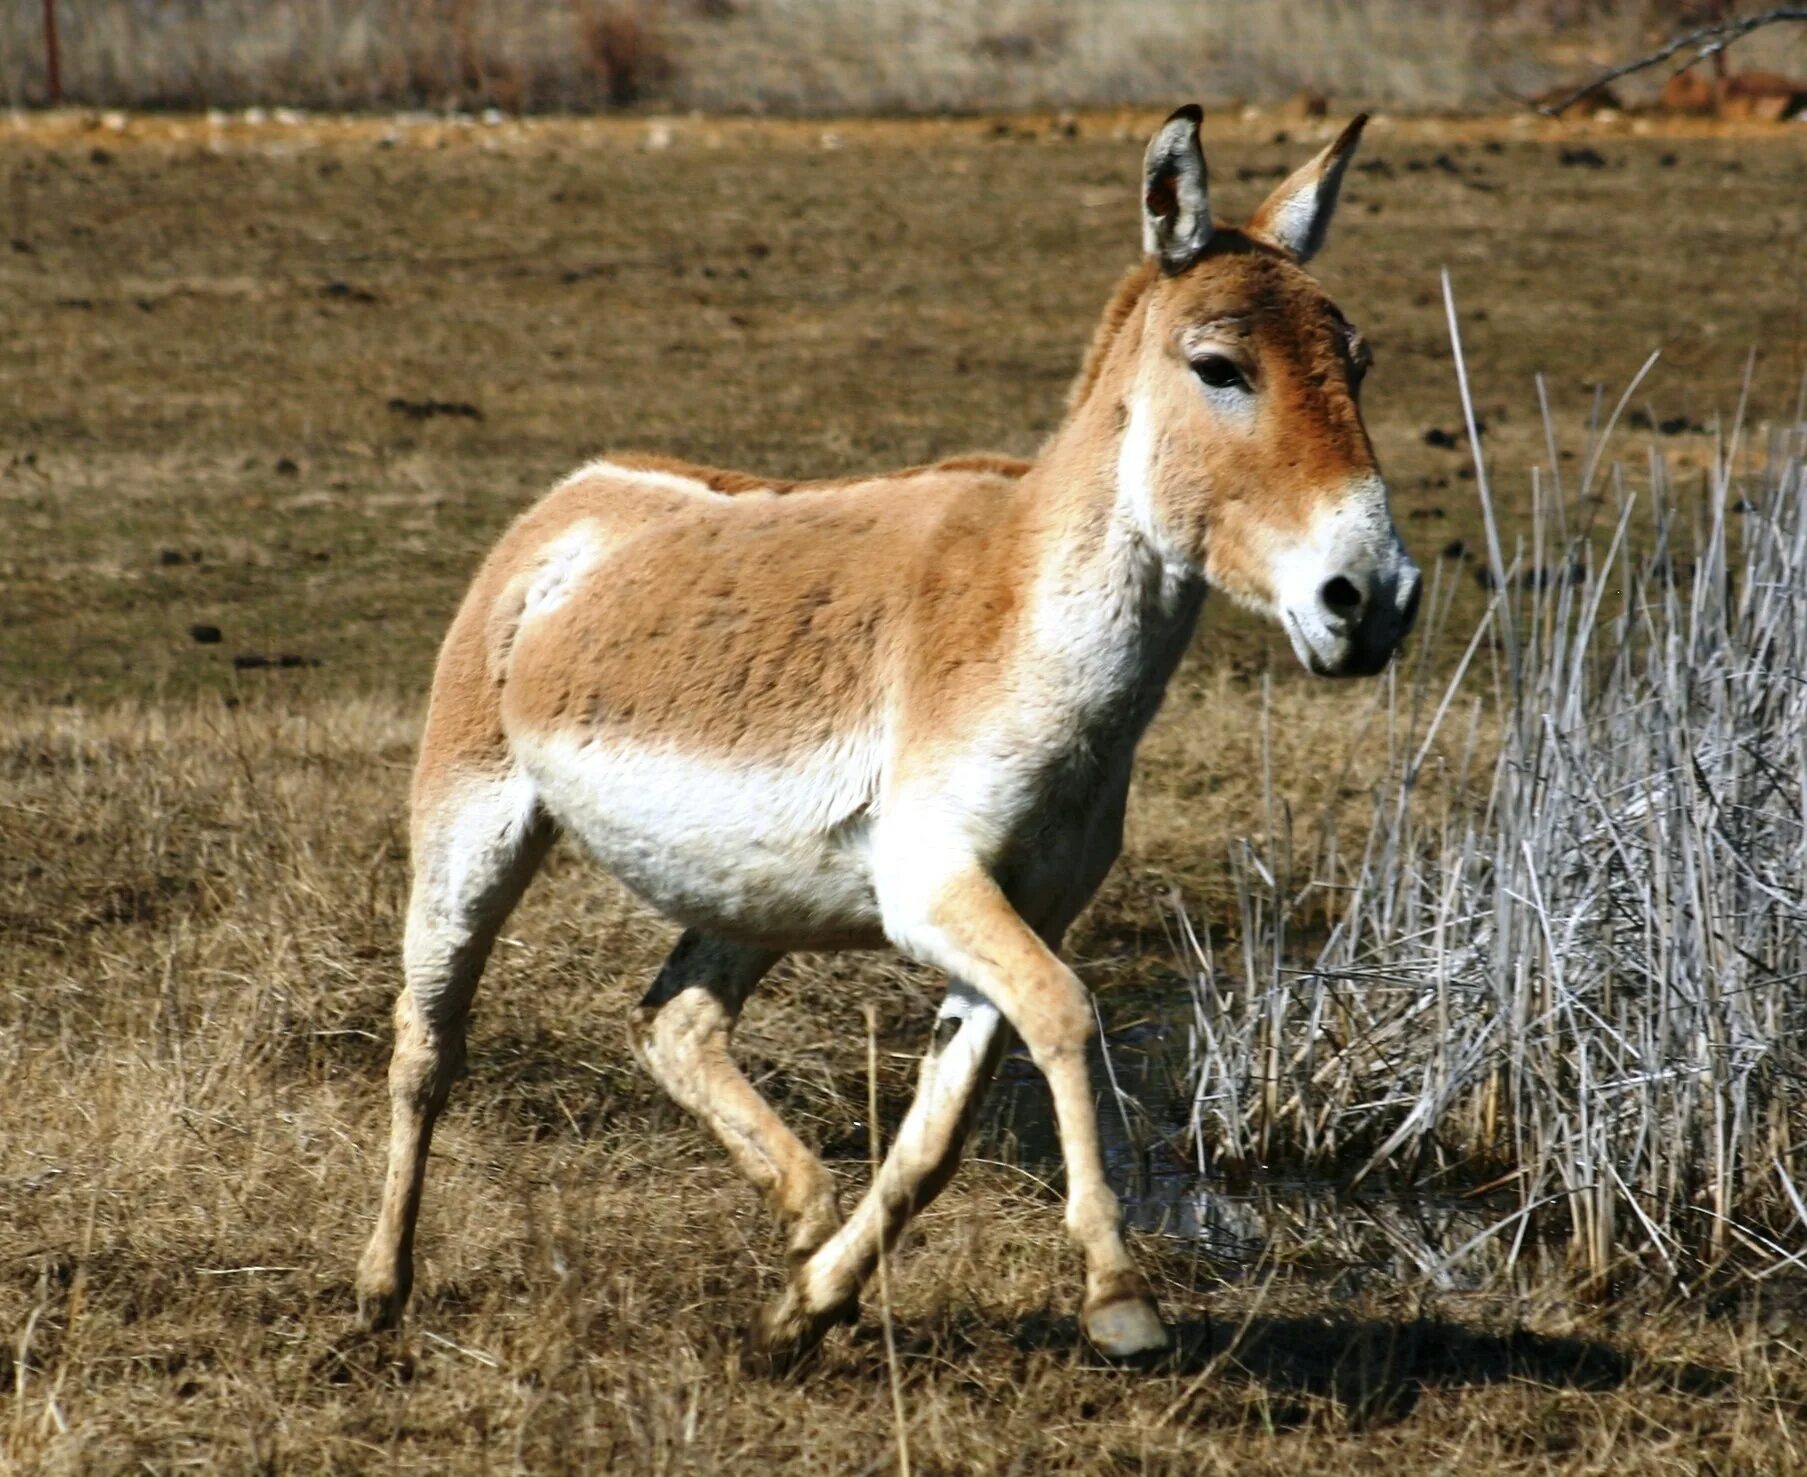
(759, 852)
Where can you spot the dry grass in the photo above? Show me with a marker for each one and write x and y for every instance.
(201, 867)
(201, 914)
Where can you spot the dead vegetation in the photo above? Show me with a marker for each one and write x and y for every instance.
(201, 912)
(825, 56)
(1563, 960)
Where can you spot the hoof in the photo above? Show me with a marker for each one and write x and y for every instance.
(784, 1335)
(1126, 1329)
(380, 1309)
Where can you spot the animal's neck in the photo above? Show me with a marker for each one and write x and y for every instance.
(1116, 601)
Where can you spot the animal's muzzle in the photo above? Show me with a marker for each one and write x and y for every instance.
(1365, 616)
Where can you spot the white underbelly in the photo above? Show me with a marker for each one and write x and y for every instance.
(752, 850)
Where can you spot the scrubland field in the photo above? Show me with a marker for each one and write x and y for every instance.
(266, 393)
(831, 57)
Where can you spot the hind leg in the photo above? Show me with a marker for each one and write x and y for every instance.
(682, 1032)
(474, 855)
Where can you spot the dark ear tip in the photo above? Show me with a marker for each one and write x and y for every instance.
(1354, 129)
(1192, 113)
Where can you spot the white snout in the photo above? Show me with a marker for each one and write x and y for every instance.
(1347, 593)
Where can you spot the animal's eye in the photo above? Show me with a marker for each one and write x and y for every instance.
(1219, 373)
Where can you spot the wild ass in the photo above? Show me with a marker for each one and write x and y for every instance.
(896, 710)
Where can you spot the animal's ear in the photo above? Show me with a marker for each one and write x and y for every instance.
(1176, 206)
(1296, 217)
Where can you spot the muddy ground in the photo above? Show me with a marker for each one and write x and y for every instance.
(267, 391)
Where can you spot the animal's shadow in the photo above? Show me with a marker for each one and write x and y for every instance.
(1375, 1369)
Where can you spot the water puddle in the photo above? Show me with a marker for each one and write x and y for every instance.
(1452, 1240)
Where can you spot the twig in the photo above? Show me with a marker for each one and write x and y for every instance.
(22, 1371)
(884, 1277)
(1716, 39)
(53, 58)
(1496, 559)
(489, 1361)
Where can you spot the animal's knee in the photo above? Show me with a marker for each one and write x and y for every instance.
(439, 977)
(442, 958)
(693, 1003)
(1057, 1020)
(672, 1037)
(806, 1197)
(427, 1055)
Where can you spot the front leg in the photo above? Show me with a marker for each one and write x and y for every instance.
(962, 923)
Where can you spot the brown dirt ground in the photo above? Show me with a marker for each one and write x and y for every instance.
(202, 330)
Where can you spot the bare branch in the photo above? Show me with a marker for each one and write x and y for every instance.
(1711, 39)
(53, 58)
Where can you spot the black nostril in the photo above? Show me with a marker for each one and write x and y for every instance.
(1341, 598)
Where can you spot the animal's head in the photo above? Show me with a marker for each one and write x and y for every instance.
(1244, 451)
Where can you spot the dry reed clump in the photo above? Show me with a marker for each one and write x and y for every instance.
(1569, 955)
